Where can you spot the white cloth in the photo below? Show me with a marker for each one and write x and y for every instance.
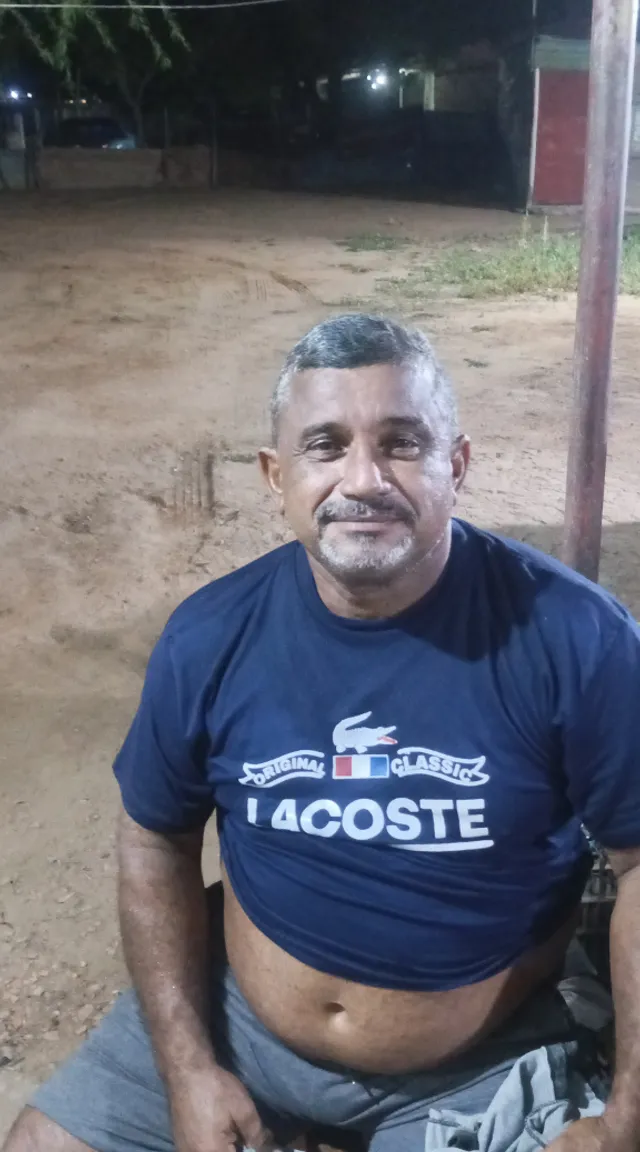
(540, 1098)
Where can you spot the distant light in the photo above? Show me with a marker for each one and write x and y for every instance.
(378, 83)
(29, 95)
(378, 79)
(14, 94)
(83, 101)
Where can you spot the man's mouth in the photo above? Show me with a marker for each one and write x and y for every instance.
(377, 519)
(359, 517)
(370, 524)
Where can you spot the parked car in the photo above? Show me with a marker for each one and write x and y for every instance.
(93, 132)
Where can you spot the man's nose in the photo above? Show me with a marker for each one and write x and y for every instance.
(362, 475)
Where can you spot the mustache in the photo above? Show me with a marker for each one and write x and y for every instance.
(377, 508)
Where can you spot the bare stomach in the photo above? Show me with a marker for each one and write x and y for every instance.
(367, 1029)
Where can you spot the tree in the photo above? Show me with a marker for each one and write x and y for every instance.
(118, 50)
(235, 62)
(120, 59)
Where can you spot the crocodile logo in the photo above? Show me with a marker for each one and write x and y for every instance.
(346, 735)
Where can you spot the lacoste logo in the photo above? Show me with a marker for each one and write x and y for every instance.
(303, 764)
(359, 757)
(346, 736)
(350, 733)
(427, 762)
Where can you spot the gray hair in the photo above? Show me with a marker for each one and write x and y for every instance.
(361, 341)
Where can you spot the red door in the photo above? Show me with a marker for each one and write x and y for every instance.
(562, 137)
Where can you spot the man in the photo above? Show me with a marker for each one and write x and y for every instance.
(403, 725)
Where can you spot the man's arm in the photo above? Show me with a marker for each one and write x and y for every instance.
(618, 1130)
(623, 1110)
(165, 934)
(601, 737)
(168, 798)
(165, 931)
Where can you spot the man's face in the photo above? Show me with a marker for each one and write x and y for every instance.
(365, 469)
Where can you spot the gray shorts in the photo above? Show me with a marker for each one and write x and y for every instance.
(110, 1095)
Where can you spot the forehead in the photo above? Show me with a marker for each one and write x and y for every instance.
(360, 397)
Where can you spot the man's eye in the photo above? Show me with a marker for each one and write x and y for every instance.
(324, 447)
(403, 446)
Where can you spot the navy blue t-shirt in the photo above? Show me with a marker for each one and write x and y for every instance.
(400, 802)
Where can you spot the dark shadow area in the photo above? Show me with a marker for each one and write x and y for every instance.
(620, 567)
(449, 157)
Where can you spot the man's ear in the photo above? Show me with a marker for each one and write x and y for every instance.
(460, 458)
(271, 471)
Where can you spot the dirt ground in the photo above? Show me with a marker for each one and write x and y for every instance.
(141, 336)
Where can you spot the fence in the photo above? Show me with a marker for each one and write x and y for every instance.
(66, 169)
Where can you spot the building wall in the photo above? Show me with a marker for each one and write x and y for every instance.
(633, 185)
(467, 90)
(515, 115)
(12, 170)
(66, 168)
(561, 136)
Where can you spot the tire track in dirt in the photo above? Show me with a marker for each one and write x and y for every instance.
(262, 276)
(193, 496)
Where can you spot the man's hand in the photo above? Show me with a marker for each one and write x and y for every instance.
(594, 1135)
(213, 1112)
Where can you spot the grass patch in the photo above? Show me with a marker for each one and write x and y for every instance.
(537, 265)
(373, 242)
(351, 303)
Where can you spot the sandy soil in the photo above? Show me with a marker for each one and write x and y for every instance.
(141, 336)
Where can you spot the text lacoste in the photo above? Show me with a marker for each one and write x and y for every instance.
(302, 765)
(427, 762)
(425, 825)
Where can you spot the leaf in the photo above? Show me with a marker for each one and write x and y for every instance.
(46, 53)
(175, 31)
(53, 31)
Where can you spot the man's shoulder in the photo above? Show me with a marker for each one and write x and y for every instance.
(543, 589)
(219, 609)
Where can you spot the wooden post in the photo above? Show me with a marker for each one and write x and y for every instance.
(613, 51)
